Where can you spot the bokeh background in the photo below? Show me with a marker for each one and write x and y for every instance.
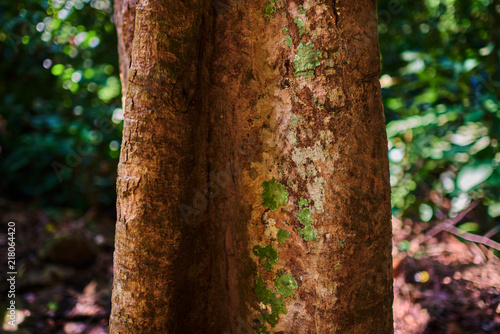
(60, 128)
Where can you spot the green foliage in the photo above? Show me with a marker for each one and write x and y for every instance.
(268, 297)
(288, 41)
(274, 194)
(267, 254)
(60, 121)
(469, 227)
(285, 285)
(282, 236)
(471, 176)
(302, 10)
(440, 82)
(306, 60)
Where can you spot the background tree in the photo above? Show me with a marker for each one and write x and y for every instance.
(253, 185)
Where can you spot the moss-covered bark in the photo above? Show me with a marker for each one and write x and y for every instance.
(253, 183)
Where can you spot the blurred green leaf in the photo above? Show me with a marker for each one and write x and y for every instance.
(469, 227)
(56, 56)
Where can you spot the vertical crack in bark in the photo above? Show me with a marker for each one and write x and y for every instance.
(335, 12)
(228, 290)
(204, 33)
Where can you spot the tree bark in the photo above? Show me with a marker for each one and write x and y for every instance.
(253, 188)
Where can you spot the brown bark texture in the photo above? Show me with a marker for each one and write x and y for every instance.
(253, 183)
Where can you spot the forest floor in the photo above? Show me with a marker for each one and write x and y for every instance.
(64, 264)
(443, 284)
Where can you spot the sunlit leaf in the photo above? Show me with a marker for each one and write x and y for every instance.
(470, 176)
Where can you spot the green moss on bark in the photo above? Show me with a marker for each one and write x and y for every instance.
(274, 194)
(301, 25)
(268, 297)
(306, 60)
(270, 9)
(308, 232)
(285, 284)
(267, 254)
(282, 236)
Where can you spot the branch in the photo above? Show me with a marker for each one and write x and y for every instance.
(449, 226)
(451, 222)
(471, 237)
(492, 232)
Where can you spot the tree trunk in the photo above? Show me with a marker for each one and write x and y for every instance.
(253, 188)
